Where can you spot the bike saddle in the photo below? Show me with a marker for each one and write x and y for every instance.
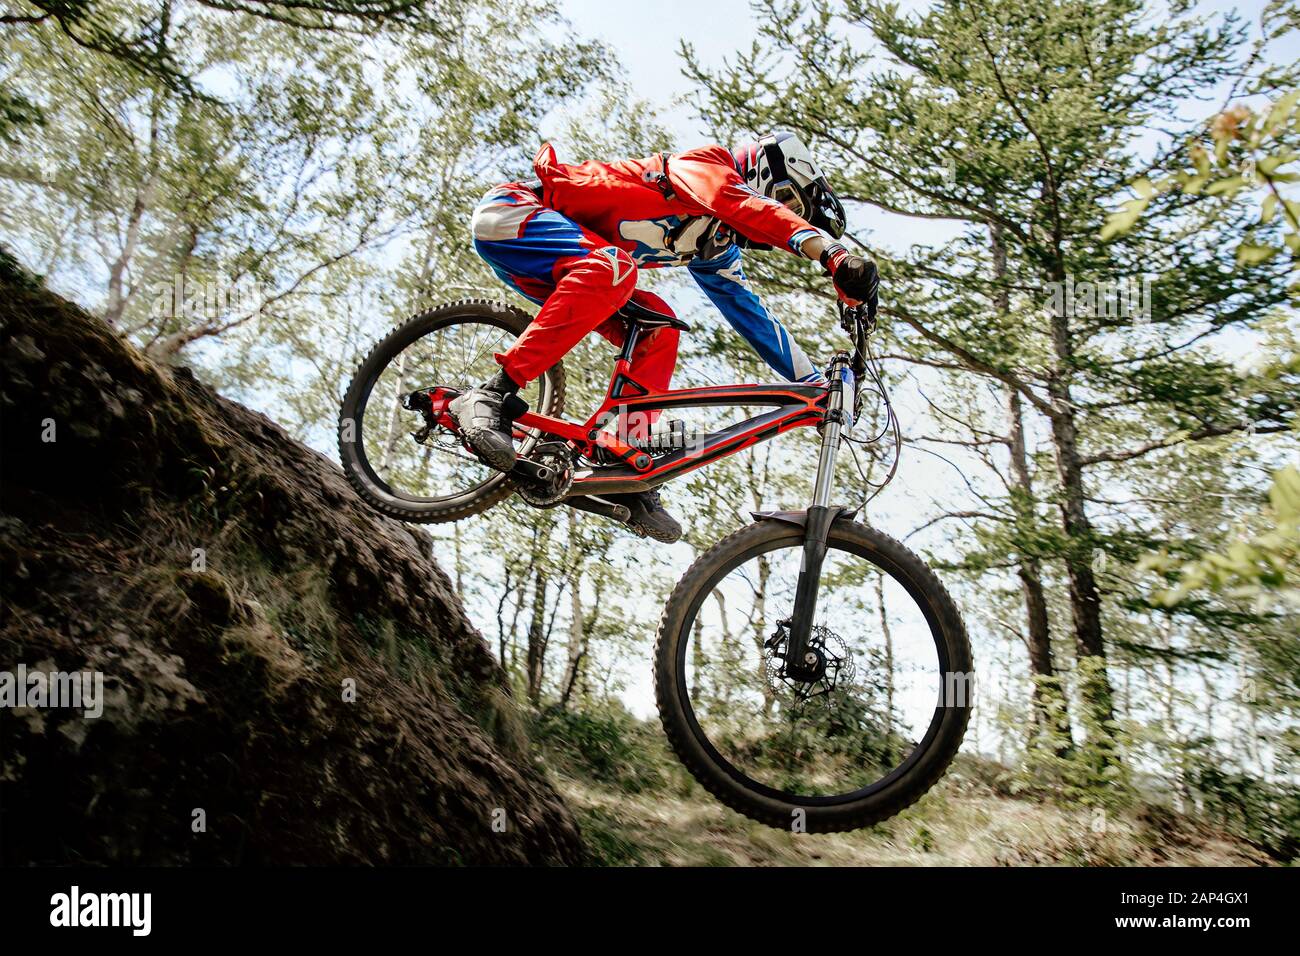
(635, 314)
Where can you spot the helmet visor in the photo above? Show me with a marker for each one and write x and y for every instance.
(792, 197)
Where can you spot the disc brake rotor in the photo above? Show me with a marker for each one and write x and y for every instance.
(834, 665)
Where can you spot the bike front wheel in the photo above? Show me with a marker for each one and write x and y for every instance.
(866, 739)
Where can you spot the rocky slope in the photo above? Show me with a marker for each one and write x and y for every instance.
(232, 590)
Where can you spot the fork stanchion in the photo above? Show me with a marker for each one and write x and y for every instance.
(801, 662)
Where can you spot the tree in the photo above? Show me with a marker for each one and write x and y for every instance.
(1018, 120)
(320, 200)
(129, 35)
(1262, 568)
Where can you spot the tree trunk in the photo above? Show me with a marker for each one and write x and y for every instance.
(889, 655)
(1051, 711)
(459, 560)
(727, 651)
(1048, 697)
(535, 654)
(760, 634)
(698, 660)
(117, 292)
(393, 433)
(140, 204)
(577, 631)
(1085, 599)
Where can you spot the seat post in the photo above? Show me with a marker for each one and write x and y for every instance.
(630, 340)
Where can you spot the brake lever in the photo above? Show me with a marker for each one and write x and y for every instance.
(853, 317)
(847, 318)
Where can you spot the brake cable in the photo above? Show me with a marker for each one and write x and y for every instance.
(871, 365)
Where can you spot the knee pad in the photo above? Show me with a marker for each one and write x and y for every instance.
(622, 268)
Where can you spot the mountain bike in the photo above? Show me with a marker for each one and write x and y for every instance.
(810, 671)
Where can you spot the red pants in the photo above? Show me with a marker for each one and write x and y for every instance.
(580, 281)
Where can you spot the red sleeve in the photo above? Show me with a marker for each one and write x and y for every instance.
(708, 177)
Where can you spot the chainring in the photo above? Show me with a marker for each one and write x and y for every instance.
(546, 494)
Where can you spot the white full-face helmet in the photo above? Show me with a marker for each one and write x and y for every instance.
(780, 167)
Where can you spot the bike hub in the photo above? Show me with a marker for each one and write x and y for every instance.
(826, 665)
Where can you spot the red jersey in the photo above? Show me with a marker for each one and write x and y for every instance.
(626, 203)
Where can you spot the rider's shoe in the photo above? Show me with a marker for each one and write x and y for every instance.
(649, 517)
(485, 423)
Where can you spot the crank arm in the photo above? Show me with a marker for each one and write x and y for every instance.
(530, 469)
(599, 506)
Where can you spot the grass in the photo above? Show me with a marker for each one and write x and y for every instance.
(637, 807)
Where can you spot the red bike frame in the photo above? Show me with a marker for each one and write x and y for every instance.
(796, 404)
(828, 405)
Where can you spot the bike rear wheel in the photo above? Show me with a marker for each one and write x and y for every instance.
(440, 480)
(859, 745)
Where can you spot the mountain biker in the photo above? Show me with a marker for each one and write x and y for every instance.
(573, 240)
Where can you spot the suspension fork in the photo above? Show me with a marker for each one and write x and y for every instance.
(800, 661)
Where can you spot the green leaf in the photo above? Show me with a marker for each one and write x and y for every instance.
(1228, 187)
(1250, 254)
(1201, 160)
(1270, 163)
(1285, 493)
(1221, 150)
(1122, 220)
(1282, 109)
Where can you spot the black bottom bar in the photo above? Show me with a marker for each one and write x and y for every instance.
(923, 907)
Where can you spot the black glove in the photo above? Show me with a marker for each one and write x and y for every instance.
(855, 277)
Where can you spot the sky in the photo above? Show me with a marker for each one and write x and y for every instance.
(647, 47)
(647, 44)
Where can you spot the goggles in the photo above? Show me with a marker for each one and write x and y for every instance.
(791, 196)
